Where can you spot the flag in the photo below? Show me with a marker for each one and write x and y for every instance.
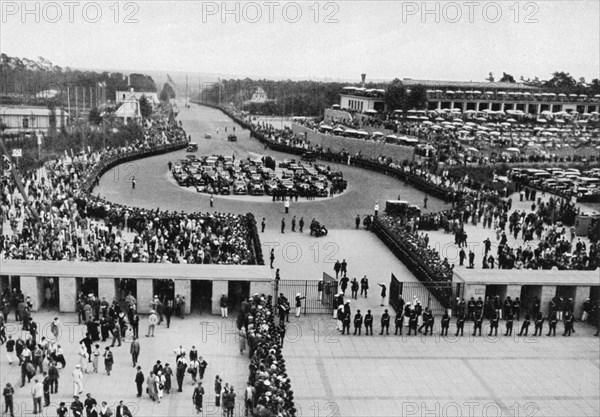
(170, 80)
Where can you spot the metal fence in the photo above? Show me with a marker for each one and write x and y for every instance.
(438, 296)
(316, 302)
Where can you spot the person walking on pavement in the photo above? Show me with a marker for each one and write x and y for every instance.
(134, 350)
(197, 397)
(383, 293)
(152, 320)
(77, 380)
(108, 360)
(301, 225)
(47, 384)
(37, 391)
(262, 225)
(294, 224)
(139, 381)
(8, 394)
(272, 256)
(283, 225)
(287, 205)
(364, 286)
(299, 299)
(223, 303)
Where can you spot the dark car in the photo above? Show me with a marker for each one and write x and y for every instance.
(192, 147)
(232, 138)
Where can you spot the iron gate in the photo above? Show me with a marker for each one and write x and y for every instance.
(438, 296)
(316, 302)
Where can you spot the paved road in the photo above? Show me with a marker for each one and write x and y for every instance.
(151, 175)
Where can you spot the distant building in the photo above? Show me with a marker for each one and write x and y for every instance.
(362, 100)
(123, 96)
(129, 110)
(21, 119)
(515, 98)
(258, 97)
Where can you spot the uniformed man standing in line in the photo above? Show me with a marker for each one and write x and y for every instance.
(471, 309)
(385, 323)
(552, 321)
(478, 324)
(494, 321)
(364, 286)
(425, 319)
(445, 323)
(509, 324)
(539, 322)
(399, 322)
(568, 320)
(460, 325)
(412, 323)
(429, 321)
(369, 323)
(358, 320)
(525, 325)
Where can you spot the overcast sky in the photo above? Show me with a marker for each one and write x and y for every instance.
(384, 39)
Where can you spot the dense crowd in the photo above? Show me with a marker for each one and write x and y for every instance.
(75, 225)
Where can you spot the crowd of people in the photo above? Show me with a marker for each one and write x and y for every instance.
(75, 225)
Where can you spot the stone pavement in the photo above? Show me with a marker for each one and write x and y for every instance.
(340, 375)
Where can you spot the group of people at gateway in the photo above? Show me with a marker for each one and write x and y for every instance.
(422, 320)
(45, 366)
(75, 225)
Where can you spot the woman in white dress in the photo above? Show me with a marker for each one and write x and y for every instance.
(159, 380)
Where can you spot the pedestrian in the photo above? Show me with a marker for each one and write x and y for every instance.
(8, 392)
(77, 406)
(242, 341)
(95, 356)
(460, 324)
(77, 380)
(10, 349)
(357, 221)
(62, 410)
(134, 350)
(376, 208)
(151, 386)
(229, 403)
(180, 372)
(105, 410)
(539, 323)
(509, 323)
(294, 224)
(133, 182)
(193, 369)
(445, 323)
(108, 360)
(152, 320)
(218, 389)
(282, 225)
(249, 399)
(159, 381)
(224, 303)
(37, 391)
(364, 286)
(168, 373)
(197, 397)
(139, 381)
(272, 256)
(425, 202)
(399, 322)
(287, 205)
(354, 288)
(383, 292)
(299, 299)
(262, 225)
(212, 201)
(90, 405)
(494, 321)
(478, 324)
(47, 385)
(83, 357)
(54, 328)
(135, 326)
(123, 410)
(301, 225)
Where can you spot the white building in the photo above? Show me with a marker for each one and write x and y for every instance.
(129, 110)
(123, 96)
(22, 119)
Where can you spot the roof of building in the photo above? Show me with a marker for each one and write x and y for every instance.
(138, 270)
(468, 84)
(526, 277)
(27, 111)
(136, 95)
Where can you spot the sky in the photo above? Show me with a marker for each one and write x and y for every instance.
(462, 40)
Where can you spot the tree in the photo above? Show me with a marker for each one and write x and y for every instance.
(490, 78)
(507, 78)
(395, 95)
(417, 98)
(167, 92)
(94, 116)
(145, 107)
(561, 81)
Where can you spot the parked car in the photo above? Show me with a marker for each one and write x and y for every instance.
(192, 147)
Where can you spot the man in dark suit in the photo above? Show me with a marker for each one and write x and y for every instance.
(139, 380)
(135, 351)
(445, 323)
(478, 324)
(509, 323)
(552, 322)
(122, 410)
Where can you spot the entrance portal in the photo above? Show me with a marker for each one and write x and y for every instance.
(238, 291)
(201, 301)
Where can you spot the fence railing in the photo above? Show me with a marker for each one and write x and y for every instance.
(316, 302)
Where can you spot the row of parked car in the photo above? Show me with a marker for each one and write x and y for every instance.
(224, 175)
(564, 181)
